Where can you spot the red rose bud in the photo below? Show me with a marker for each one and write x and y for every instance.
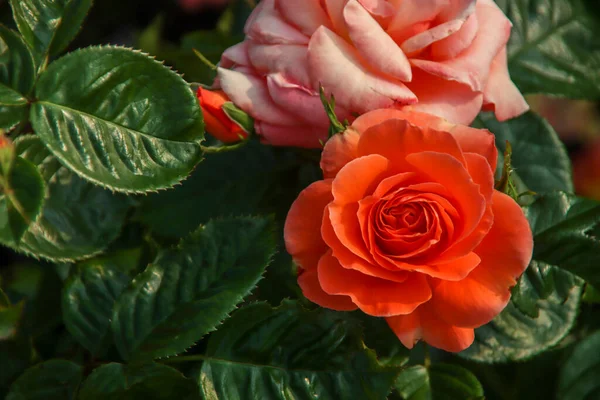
(222, 118)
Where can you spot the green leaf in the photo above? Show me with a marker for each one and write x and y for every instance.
(291, 353)
(538, 156)
(440, 381)
(78, 219)
(50, 380)
(151, 381)
(21, 199)
(49, 26)
(128, 123)
(196, 285)
(560, 224)
(88, 299)
(553, 48)
(17, 76)
(541, 313)
(579, 375)
(224, 184)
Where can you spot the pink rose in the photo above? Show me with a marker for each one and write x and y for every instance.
(444, 57)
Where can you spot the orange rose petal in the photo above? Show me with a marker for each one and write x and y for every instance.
(407, 328)
(454, 270)
(339, 151)
(358, 178)
(468, 303)
(349, 260)
(444, 336)
(344, 220)
(374, 296)
(216, 128)
(396, 139)
(309, 283)
(507, 249)
(471, 140)
(481, 174)
(424, 324)
(302, 231)
(376, 117)
(450, 173)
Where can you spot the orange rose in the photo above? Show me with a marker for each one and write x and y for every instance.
(407, 225)
(218, 123)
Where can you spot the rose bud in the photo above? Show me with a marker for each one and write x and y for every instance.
(222, 119)
(443, 57)
(406, 225)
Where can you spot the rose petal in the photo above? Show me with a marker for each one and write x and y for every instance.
(374, 44)
(267, 27)
(500, 94)
(308, 280)
(355, 87)
(471, 140)
(359, 178)
(306, 15)
(455, 44)
(505, 253)
(250, 93)
(507, 248)
(411, 12)
(396, 139)
(296, 135)
(349, 260)
(305, 102)
(466, 197)
(451, 100)
(339, 151)
(289, 60)
(302, 231)
(423, 324)
(235, 55)
(424, 39)
(374, 296)
(354, 181)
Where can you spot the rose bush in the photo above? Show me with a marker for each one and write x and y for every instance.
(407, 225)
(445, 57)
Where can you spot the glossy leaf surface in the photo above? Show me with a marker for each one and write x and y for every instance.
(553, 48)
(538, 156)
(440, 381)
(49, 26)
(78, 219)
(88, 299)
(149, 381)
(188, 290)
(542, 311)
(17, 76)
(291, 353)
(128, 123)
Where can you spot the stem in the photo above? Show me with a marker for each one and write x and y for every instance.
(427, 361)
(181, 359)
(221, 149)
